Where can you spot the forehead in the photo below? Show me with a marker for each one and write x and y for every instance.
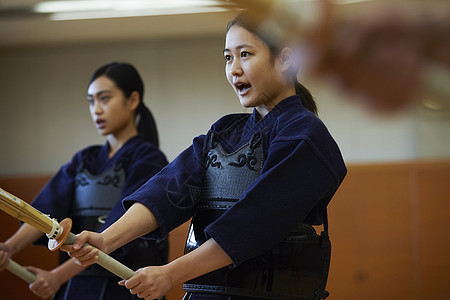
(100, 84)
(238, 36)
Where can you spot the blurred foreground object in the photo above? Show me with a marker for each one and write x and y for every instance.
(387, 54)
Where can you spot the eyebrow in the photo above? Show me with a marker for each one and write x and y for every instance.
(238, 47)
(98, 93)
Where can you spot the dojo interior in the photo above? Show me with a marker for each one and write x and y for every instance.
(388, 221)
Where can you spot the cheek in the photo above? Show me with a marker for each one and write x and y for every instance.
(229, 76)
(227, 72)
(91, 111)
(261, 78)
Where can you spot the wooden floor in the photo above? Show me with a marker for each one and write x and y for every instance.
(388, 225)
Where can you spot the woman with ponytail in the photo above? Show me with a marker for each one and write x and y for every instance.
(253, 186)
(90, 187)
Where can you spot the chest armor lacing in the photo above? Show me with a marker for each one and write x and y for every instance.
(296, 268)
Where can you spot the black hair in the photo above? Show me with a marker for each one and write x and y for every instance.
(253, 23)
(127, 79)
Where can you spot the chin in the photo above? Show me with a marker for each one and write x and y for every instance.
(246, 103)
(103, 132)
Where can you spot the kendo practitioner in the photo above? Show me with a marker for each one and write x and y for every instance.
(90, 187)
(253, 186)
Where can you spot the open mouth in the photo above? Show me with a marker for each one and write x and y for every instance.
(242, 87)
(100, 123)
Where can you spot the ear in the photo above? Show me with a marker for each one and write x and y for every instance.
(133, 100)
(286, 57)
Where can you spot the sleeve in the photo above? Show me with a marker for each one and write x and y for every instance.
(142, 169)
(172, 194)
(55, 199)
(145, 163)
(294, 179)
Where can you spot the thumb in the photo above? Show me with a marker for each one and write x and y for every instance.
(80, 241)
(32, 269)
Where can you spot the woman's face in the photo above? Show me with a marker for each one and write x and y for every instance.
(110, 110)
(257, 81)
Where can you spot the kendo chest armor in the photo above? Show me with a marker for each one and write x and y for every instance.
(95, 196)
(297, 268)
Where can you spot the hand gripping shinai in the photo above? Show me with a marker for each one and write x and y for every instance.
(58, 233)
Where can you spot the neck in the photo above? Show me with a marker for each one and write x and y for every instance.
(265, 108)
(118, 139)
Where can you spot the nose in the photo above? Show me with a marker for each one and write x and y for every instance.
(236, 68)
(96, 108)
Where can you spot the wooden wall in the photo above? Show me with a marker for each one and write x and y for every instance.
(12, 287)
(388, 225)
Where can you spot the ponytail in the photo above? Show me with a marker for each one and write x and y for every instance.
(306, 97)
(146, 125)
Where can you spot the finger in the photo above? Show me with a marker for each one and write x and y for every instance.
(122, 282)
(32, 269)
(3, 256)
(144, 290)
(136, 289)
(42, 294)
(133, 291)
(41, 287)
(86, 262)
(140, 291)
(67, 248)
(37, 286)
(84, 253)
(45, 292)
(131, 283)
(3, 261)
(46, 295)
(146, 295)
(85, 256)
(88, 259)
(80, 240)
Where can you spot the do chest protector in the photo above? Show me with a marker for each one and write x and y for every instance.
(296, 268)
(95, 196)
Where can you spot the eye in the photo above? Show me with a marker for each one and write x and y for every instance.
(105, 98)
(245, 54)
(227, 57)
(90, 101)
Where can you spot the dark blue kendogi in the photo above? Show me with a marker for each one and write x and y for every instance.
(251, 185)
(89, 190)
